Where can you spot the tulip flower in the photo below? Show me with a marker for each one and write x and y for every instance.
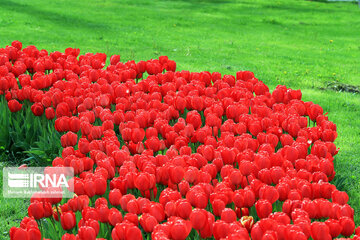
(263, 208)
(36, 210)
(68, 220)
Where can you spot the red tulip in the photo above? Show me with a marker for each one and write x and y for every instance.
(180, 230)
(37, 109)
(153, 143)
(270, 193)
(114, 59)
(314, 111)
(183, 208)
(198, 218)
(62, 109)
(114, 217)
(194, 118)
(133, 233)
(114, 197)
(69, 139)
(96, 132)
(100, 186)
(156, 210)
(103, 212)
(4, 84)
(68, 236)
(68, 220)
(263, 208)
(36, 210)
(244, 198)
(34, 233)
(84, 145)
(348, 226)
(50, 113)
(74, 124)
(218, 206)
(170, 209)
(132, 217)
(339, 197)
(137, 135)
(142, 182)
(118, 232)
(268, 235)
(228, 215)
(246, 167)
(170, 66)
(320, 230)
(221, 229)
(184, 187)
(176, 174)
(90, 223)
(148, 222)
(334, 227)
(347, 211)
(18, 234)
(87, 233)
(133, 206)
(90, 188)
(90, 213)
(14, 105)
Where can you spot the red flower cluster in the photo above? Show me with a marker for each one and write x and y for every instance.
(178, 153)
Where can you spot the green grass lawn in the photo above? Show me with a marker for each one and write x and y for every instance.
(302, 44)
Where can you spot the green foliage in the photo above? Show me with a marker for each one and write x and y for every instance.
(27, 139)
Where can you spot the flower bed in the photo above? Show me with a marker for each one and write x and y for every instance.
(176, 154)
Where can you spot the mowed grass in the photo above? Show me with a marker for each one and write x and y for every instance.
(301, 44)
